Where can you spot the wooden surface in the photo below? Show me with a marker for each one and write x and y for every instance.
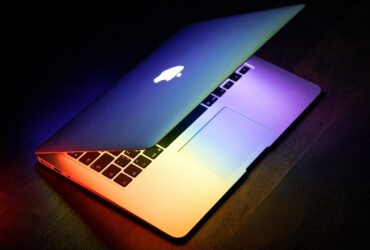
(310, 191)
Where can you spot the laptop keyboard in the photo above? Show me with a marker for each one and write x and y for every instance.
(122, 166)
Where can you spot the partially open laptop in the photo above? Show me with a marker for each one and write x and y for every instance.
(176, 133)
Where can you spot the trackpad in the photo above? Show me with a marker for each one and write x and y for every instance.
(227, 142)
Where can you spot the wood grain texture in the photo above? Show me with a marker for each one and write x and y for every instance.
(310, 191)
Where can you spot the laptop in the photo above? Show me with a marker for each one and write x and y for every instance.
(169, 139)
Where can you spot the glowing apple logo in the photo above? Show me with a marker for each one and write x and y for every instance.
(169, 74)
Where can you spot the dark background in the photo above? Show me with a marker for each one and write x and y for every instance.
(311, 191)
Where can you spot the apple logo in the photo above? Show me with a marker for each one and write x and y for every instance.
(169, 74)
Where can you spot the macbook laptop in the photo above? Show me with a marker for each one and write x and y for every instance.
(168, 140)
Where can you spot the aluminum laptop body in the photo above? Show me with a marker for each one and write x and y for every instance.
(201, 141)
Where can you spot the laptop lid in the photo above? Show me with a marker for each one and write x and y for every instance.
(149, 101)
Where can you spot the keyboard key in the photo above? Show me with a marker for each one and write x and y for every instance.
(132, 170)
(89, 157)
(132, 153)
(102, 162)
(122, 161)
(75, 154)
(153, 152)
(235, 76)
(219, 92)
(209, 100)
(123, 180)
(115, 152)
(142, 161)
(111, 171)
(176, 131)
(228, 84)
(244, 70)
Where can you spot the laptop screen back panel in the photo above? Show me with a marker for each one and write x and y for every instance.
(141, 108)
